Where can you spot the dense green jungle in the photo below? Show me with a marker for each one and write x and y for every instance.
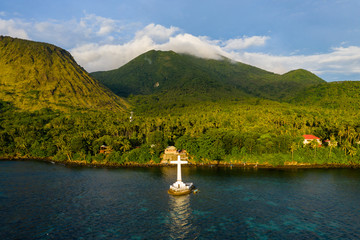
(218, 111)
(250, 131)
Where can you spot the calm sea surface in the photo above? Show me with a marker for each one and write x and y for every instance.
(45, 201)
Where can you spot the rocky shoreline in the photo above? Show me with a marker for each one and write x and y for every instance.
(83, 163)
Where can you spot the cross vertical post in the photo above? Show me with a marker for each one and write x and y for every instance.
(179, 162)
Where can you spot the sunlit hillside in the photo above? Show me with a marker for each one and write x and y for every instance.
(35, 75)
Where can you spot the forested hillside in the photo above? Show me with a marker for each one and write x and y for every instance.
(161, 74)
(335, 95)
(255, 131)
(218, 111)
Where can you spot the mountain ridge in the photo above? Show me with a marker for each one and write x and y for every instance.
(155, 72)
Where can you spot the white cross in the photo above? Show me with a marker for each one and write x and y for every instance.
(179, 162)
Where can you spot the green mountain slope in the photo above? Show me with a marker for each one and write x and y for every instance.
(158, 73)
(35, 75)
(344, 95)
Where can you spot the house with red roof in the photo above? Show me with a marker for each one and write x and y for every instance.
(310, 138)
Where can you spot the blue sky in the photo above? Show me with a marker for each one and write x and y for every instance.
(322, 36)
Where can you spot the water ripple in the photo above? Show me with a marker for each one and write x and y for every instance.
(45, 201)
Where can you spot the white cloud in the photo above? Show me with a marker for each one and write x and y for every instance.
(340, 60)
(100, 26)
(157, 32)
(11, 28)
(189, 44)
(95, 57)
(244, 43)
(66, 34)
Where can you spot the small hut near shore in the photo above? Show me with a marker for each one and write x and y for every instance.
(105, 149)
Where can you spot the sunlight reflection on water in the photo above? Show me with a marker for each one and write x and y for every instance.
(180, 216)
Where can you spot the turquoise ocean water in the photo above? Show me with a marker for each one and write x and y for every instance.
(47, 201)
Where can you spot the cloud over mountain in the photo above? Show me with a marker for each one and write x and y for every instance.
(109, 56)
(100, 43)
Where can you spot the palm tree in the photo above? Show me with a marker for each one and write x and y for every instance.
(346, 146)
(314, 144)
(341, 132)
(125, 145)
(352, 151)
(333, 143)
(293, 147)
(351, 135)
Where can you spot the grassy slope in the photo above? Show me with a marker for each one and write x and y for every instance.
(34, 75)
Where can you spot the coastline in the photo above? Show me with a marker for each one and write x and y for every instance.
(94, 164)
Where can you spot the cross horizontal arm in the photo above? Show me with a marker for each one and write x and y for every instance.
(177, 162)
